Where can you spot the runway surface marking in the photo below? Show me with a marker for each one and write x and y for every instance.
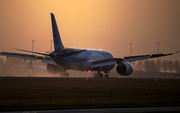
(104, 110)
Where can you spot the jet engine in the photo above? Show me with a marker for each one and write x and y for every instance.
(124, 69)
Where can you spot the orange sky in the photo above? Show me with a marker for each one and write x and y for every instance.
(107, 24)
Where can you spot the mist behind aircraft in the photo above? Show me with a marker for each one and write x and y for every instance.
(108, 25)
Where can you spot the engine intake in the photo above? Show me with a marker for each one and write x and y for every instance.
(124, 69)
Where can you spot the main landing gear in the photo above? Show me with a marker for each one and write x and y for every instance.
(100, 75)
(106, 76)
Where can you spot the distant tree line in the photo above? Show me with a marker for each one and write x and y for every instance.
(153, 66)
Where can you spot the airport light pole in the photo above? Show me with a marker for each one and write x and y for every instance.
(51, 44)
(158, 57)
(130, 48)
(33, 45)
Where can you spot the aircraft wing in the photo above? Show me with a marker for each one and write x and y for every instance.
(46, 54)
(46, 60)
(17, 55)
(112, 61)
(143, 57)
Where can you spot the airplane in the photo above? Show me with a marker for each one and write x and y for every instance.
(62, 59)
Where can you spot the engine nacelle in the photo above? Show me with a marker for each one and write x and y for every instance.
(124, 69)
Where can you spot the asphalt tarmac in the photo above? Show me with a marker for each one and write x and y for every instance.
(105, 110)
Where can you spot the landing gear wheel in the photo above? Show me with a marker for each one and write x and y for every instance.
(106, 76)
(96, 75)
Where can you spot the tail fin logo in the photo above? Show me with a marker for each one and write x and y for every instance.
(56, 41)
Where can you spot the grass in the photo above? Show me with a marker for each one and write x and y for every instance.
(61, 93)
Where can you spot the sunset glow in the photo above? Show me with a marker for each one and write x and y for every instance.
(107, 24)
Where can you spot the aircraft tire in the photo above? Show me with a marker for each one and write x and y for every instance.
(96, 75)
(106, 76)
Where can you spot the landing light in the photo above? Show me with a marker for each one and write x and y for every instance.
(89, 71)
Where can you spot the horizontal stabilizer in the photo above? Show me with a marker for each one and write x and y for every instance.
(65, 54)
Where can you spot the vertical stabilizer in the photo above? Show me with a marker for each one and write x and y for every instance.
(56, 36)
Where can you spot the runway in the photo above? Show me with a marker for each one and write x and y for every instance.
(105, 110)
(44, 95)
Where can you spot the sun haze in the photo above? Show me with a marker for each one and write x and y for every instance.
(104, 24)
